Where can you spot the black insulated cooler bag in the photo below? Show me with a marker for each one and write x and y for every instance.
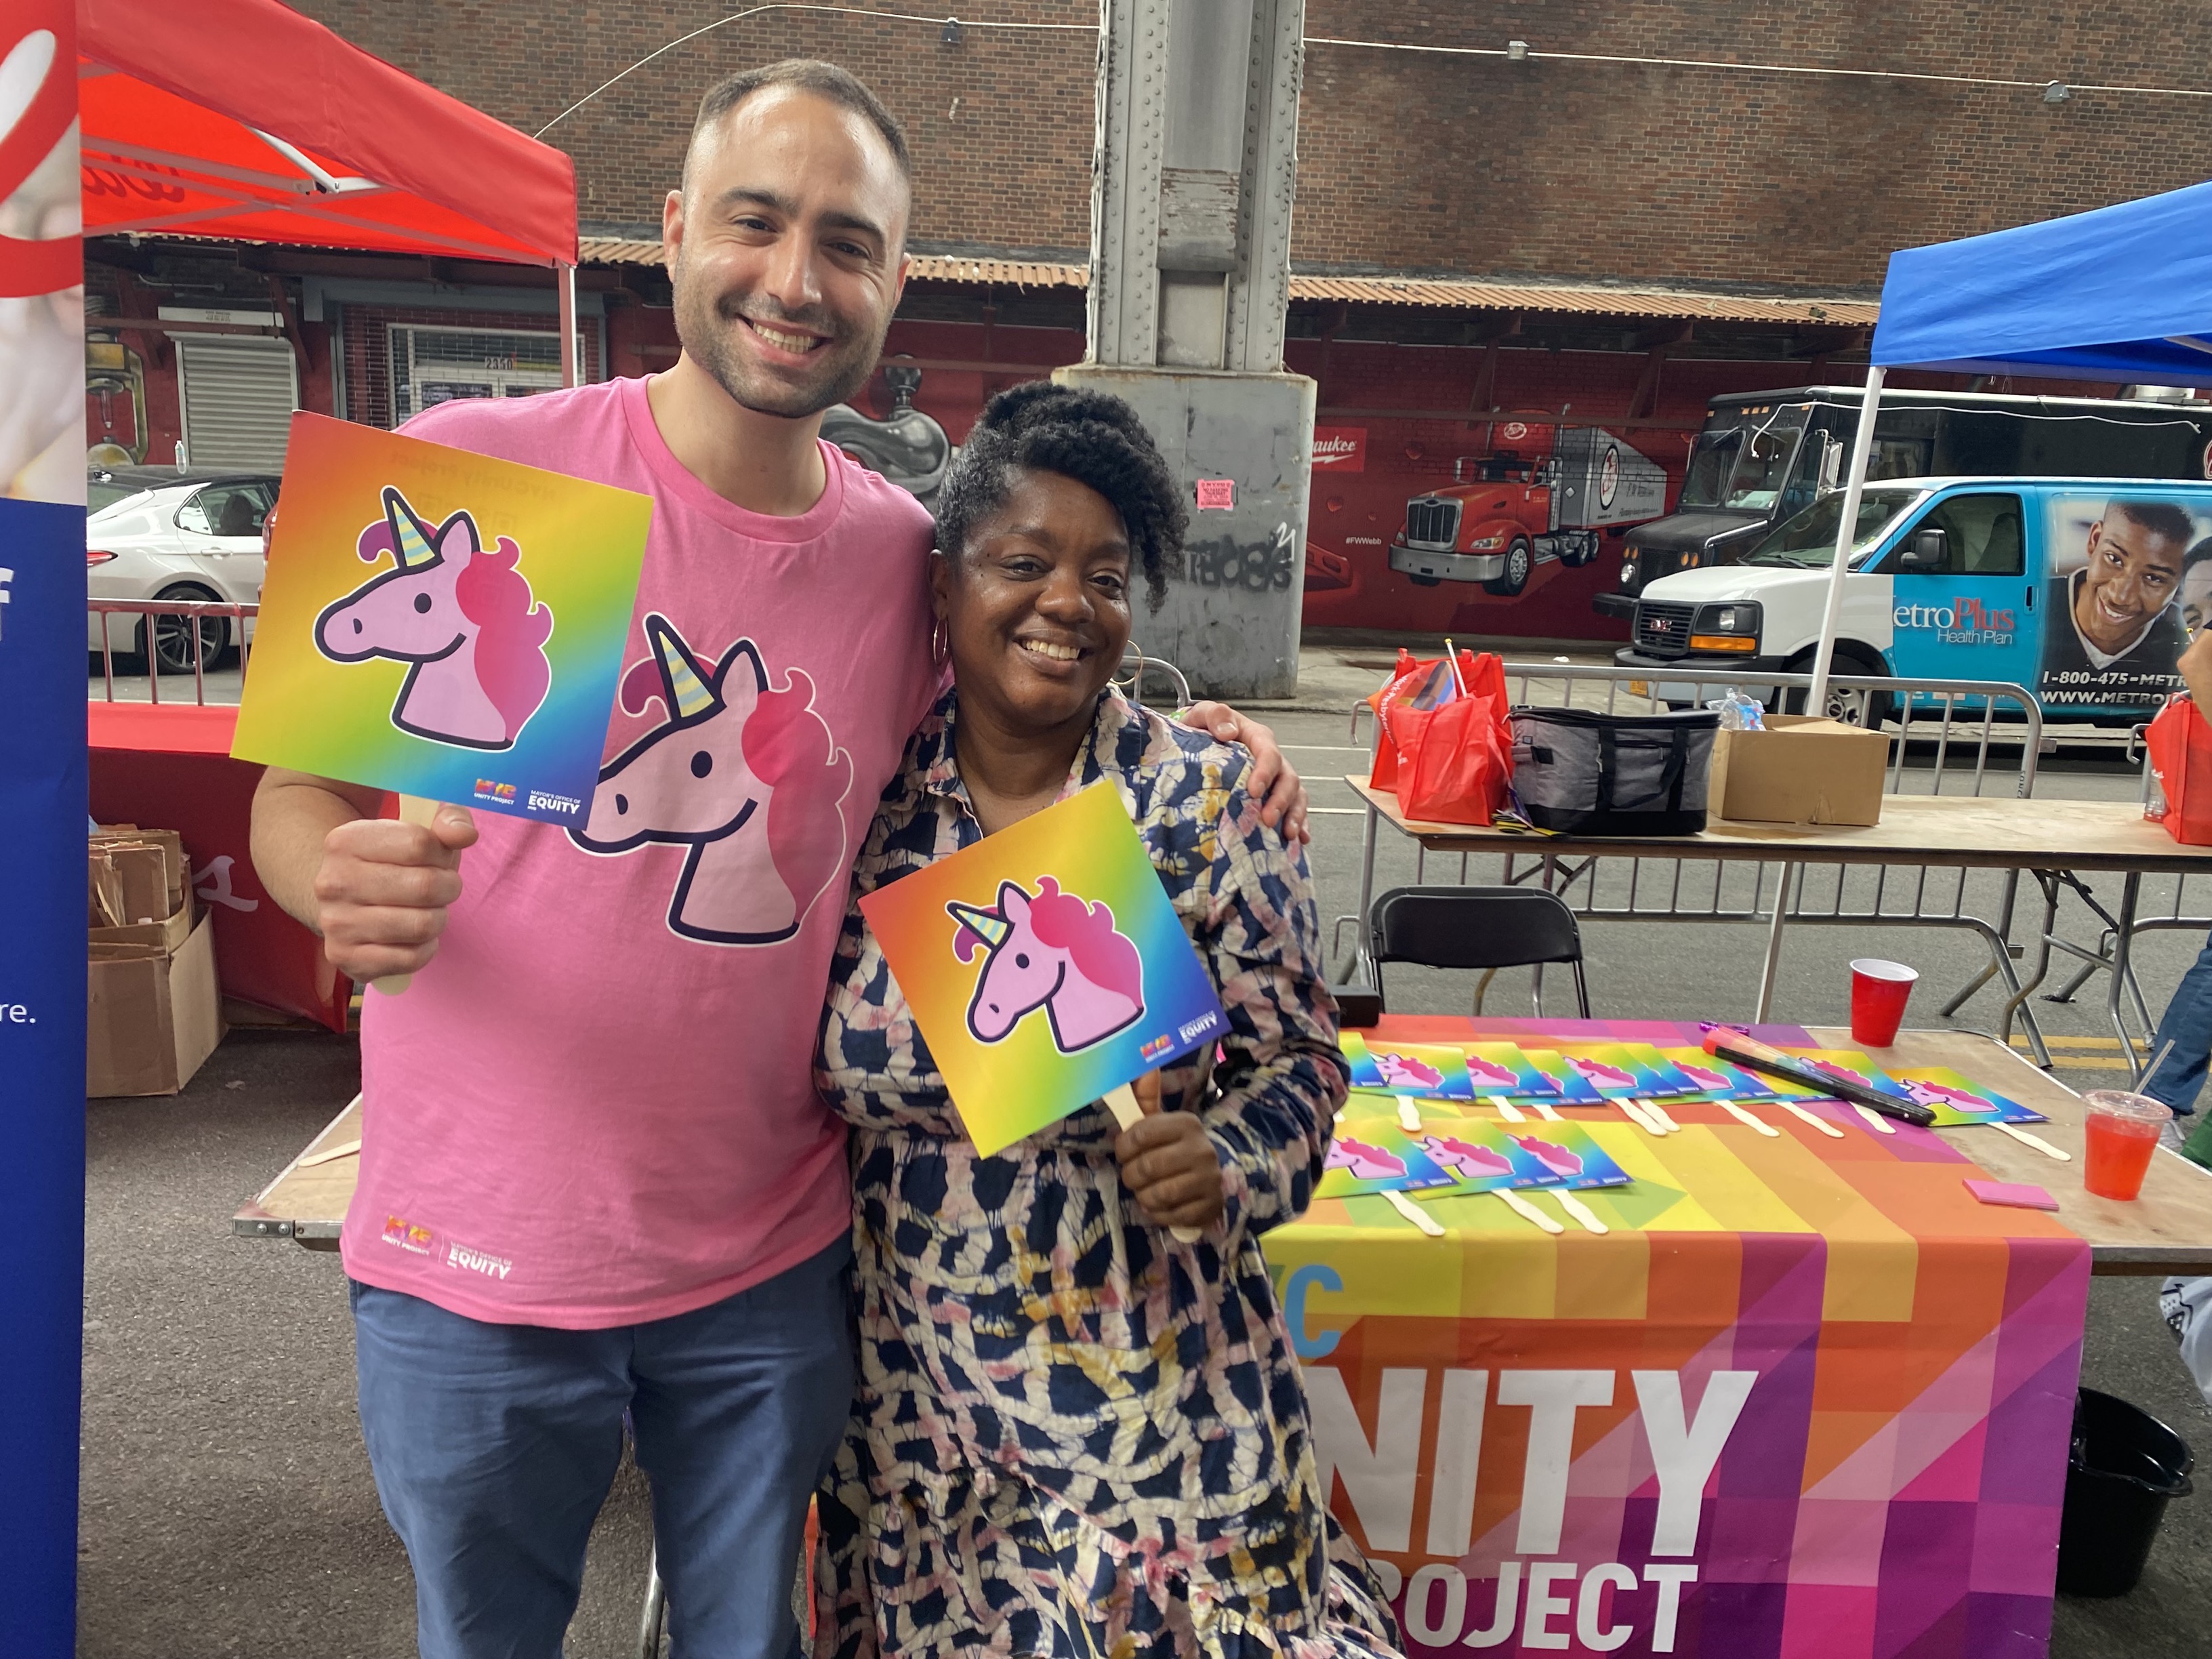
(1587, 774)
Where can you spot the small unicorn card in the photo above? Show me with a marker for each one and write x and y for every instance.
(440, 623)
(1045, 967)
(1957, 1100)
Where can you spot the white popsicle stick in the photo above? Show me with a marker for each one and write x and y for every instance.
(1522, 1207)
(1749, 1119)
(1634, 1114)
(1580, 1211)
(1813, 1118)
(2036, 1141)
(1874, 1119)
(1547, 1113)
(343, 1149)
(1123, 1103)
(1507, 1110)
(1659, 1116)
(1415, 1213)
(1409, 1115)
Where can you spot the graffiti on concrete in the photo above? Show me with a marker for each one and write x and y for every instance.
(1265, 565)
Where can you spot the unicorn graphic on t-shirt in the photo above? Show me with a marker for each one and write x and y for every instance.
(1055, 951)
(742, 772)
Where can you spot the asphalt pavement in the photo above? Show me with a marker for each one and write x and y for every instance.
(228, 1508)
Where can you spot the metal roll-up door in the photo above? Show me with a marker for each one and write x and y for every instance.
(238, 394)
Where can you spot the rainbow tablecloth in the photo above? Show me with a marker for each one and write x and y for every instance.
(1809, 1398)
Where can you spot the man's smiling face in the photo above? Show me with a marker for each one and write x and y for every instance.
(787, 251)
(2132, 575)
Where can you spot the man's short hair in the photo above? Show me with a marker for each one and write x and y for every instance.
(2159, 518)
(840, 86)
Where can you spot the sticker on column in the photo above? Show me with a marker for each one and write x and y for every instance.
(1217, 493)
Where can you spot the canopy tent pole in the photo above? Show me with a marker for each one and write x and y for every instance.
(570, 373)
(1816, 700)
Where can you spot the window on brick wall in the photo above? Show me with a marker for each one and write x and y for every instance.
(401, 362)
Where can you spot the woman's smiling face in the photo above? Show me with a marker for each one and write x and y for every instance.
(1036, 604)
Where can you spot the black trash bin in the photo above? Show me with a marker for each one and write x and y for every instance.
(2125, 1468)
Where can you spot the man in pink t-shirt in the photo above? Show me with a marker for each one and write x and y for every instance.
(595, 1178)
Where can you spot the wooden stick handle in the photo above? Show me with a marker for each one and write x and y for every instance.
(1813, 1118)
(1507, 1110)
(1413, 1213)
(1580, 1211)
(1875, 1120)
(1659, 1114)
(1749, 1119)
(2036, 1141)
(1121, 1101)
(1527, 1211)
(413, 809)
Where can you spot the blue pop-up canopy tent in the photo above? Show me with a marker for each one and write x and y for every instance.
(2121, 293)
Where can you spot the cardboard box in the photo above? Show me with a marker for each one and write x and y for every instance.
(1800, 769)
(153, 1015)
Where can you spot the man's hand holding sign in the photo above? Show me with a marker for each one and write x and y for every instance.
(446, 626)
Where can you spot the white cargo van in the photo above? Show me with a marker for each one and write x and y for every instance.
(2084, 591)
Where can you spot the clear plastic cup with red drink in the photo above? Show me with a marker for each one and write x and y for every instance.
(2122, 1134)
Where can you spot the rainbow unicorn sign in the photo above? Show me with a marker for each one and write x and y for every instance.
(441, 623)
(1045, 967)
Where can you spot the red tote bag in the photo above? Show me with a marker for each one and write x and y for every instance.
(2180, 745)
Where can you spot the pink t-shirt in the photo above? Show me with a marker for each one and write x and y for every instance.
(595, 1106)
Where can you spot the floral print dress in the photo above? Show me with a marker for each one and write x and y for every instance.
(1072, 1435)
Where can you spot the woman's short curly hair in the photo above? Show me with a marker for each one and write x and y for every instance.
(1092, 437)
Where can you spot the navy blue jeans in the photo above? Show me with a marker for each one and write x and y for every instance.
(2187, 1023)
(494, 1447)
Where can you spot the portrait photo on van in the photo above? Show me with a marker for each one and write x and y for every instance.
(2126, 572)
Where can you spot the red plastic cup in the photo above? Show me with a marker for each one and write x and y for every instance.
(1879, 991)
(2123, 1131)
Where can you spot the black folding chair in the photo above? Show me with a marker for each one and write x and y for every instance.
(1486, 928)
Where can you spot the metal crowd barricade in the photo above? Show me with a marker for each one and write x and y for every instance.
(2188, 911)
(1975, 737)
(192, 612)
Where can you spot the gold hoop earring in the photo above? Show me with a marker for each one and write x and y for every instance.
(940, 643)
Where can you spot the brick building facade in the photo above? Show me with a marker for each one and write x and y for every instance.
(1482, 247)
(1420, 162)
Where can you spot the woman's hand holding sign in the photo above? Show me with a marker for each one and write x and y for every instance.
(1167, 1164)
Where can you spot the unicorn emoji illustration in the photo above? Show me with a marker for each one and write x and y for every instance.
(1940, 1094)
(1489, 1075)
(1599, 1075)
(743, 773)
(1845, 1072)
(1055, 951)
(1703, 1077)
(1552, 1155)
(1361, 1161)
(460, 614)
(1462, 1158)
(1404, 1072)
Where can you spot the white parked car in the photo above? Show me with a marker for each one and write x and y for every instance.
(155, 533)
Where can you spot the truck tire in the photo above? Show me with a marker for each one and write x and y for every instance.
(1519, 561)
(1579, 550)
(1852, 707)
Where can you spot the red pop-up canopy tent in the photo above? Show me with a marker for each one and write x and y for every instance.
(241, 118)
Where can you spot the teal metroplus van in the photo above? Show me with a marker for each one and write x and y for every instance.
(2084, 591)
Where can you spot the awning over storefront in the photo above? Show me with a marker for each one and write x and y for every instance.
(241, 118)
(2121, 293)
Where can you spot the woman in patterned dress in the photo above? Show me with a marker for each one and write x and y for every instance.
(1073, 1435)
